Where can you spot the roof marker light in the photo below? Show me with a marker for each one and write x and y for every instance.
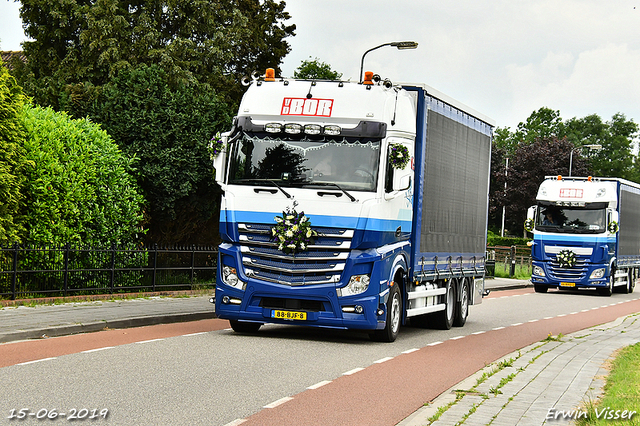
(270, 75)
(293, 128)
(273, 127)
(368, 77)
(332, 130)
(312, 129)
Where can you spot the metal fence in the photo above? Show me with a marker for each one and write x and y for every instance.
(44, 271)
(510, 258)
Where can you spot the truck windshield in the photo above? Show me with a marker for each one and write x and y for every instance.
(571, 220)
(300, 160)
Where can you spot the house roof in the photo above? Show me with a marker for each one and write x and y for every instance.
(9, 55)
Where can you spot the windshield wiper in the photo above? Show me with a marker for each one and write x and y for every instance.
(272, 182)
(335, 185)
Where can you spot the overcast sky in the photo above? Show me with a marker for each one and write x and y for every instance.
(504, 58)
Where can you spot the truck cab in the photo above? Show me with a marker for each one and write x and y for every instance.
(575, 226)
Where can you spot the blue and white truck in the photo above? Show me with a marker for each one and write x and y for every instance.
(586, 234)
(352, 206)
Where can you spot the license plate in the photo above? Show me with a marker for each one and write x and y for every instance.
(289, 315)
(567, 284)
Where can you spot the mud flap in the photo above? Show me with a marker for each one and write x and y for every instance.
(477, 291)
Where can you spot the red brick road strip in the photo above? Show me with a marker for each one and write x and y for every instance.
(384, 394)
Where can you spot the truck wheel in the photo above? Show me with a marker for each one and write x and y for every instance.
(245, 327)
(608, 290)
(444, 319)
(394, 316)
(462, 305)
(540, 288)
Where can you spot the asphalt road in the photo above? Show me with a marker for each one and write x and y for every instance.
(203, 373)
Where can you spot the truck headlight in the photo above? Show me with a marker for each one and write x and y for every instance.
(597, 274)
(357, 284)
(538, 271)
(230, 278)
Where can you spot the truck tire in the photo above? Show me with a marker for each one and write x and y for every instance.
(245, 327)
(608, 290)
(444, 319)
(462, 305)
(394, 317)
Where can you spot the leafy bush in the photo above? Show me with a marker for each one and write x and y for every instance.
(12, 156)
(80, 187)
(168, 129)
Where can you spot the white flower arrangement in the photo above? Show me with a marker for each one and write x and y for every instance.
(566, 259)
(293, 232)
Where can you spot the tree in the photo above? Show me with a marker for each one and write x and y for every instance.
(168, 130)
(528, 167)
(12, 157)
(615, 159)
(80, 187)
(316, 70)
(544, 123)
(79, 44)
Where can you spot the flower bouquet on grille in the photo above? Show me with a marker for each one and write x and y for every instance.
(293, 232)
(566, 259)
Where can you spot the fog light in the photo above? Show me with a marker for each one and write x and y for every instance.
(225, 299)
(359, 309)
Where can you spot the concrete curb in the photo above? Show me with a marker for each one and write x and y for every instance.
(64, 330)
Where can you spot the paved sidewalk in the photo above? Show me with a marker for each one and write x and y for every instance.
(21, 323)
(535, 384)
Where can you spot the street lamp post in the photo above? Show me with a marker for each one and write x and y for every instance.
(592, 147)
(400, 45)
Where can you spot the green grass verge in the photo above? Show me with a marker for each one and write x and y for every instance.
(621, 392)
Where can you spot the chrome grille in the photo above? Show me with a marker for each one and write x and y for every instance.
(577, 272)
(322, 263)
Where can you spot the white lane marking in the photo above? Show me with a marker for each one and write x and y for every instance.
(194, 334)
(479, 332)
(236, 422)
(37, 360)
(533, 320)
(434, 343)
(96, 350)
(497, 328)
(281, 401)
(319, 384)
(408, 351)
(457, 337)
(548, 318)
(354, 371)
(149, 341)
(380, 361)
(516, 324)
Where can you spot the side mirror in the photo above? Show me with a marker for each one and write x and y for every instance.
(530, 223)
(220, 160)
(614, 218)
(403, 183)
